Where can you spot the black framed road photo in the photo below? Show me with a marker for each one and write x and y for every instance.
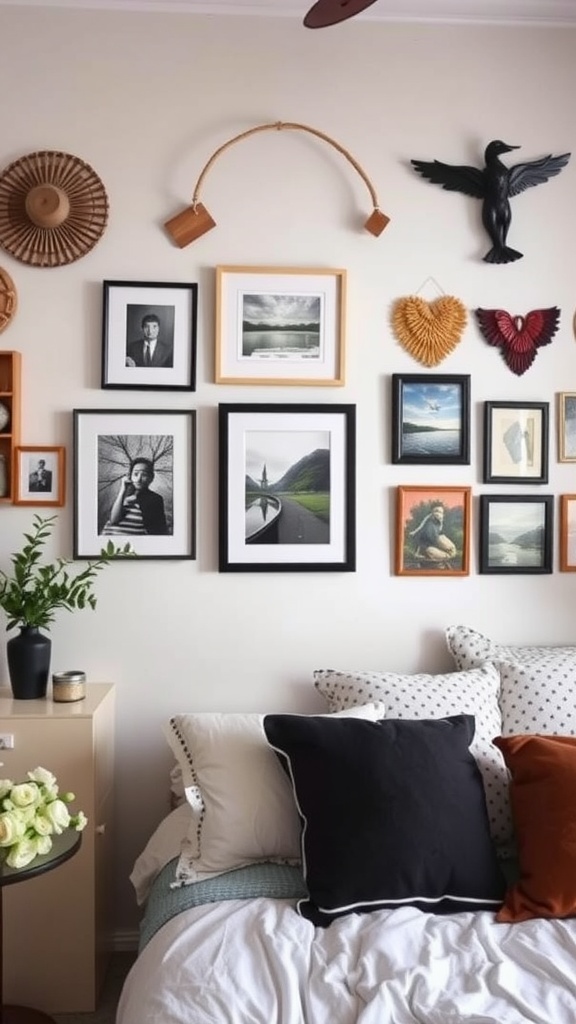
(149, 336)
(134, 480)
(516, 533)
(431, 419)
(287, 488)
(516, 442)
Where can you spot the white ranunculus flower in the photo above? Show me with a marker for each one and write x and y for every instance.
(79, 821)
(46, 779)
(58, 815)
(24, 794)
(41, 825)
(44, 844)
(43, 776)
(12, 828)
(5, 787)
(22, 853)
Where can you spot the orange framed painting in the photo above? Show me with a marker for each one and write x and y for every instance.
(568, 533)
(433, 531)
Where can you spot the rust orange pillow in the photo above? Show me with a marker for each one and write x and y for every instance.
(542, 797)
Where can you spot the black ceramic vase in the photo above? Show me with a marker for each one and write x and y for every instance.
(28, 657)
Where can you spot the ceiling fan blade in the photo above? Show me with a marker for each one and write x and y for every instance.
(330, 12)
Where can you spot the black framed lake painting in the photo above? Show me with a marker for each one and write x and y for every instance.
(431, 419)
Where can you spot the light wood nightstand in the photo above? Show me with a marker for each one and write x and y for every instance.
(58, 927)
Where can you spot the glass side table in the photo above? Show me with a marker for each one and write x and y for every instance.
(63, 847)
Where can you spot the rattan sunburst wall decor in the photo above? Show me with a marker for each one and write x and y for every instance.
(53, 208)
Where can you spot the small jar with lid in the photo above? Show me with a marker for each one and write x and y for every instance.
(68, 686)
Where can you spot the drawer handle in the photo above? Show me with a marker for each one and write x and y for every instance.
(100, 829)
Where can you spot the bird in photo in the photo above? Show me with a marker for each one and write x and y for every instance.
(519, 337)
(495, 184)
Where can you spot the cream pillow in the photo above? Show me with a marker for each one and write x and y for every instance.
(247, 812)
(435, 696)
(538, 697)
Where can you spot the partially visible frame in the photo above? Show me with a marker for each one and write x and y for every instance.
(106, 444)
(516, 533)
(433, 531)
(431, 419)
(516, 442)
(567, 426)
(128, 306)
(568, 532)
(287, 488)
(40, 475)
(278, 325)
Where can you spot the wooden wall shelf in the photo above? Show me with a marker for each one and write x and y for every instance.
(10, 376)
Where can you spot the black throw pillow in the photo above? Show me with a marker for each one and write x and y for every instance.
(393, 814)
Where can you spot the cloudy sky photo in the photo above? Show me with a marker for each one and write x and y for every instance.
(280, 310)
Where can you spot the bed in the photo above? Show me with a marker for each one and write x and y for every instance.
(409, 857)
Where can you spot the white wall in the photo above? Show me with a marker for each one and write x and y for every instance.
(145, 99)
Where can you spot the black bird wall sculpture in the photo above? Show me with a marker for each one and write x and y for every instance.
(495, 184)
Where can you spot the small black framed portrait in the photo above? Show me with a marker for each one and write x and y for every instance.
(149, 336)
(516, 442)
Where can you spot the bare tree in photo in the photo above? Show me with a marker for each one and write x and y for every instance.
(127, 465)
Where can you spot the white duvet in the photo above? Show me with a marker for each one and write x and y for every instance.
(257, 962)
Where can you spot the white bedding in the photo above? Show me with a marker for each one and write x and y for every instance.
(257, 962)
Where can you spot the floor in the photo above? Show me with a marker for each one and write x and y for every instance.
(120, 964)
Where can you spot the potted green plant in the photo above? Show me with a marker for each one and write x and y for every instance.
(31, 595)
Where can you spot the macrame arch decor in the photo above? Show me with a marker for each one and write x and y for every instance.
(195, 220)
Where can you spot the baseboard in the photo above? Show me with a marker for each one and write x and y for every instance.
(125, 941)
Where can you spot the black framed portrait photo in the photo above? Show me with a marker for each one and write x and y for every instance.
(134, 481)
(149, 336)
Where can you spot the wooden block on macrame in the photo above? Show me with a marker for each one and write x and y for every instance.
(189, 224)
(376, 222)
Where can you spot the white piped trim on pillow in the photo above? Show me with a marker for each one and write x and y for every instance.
(248, 812)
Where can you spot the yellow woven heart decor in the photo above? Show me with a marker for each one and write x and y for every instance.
(429, 331)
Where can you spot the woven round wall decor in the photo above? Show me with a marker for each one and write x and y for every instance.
(8, 299)
(53, 209)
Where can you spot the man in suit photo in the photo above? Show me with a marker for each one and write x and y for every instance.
(40, 479)
(150, 349)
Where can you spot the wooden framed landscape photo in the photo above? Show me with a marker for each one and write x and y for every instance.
(567, 426)
(431, 419)
(287, 488)
(40, 475)
(516, 442)
(568, 532)
(134, 480)
(149, 336)
(433, 531)
(516, 533)
(278, 325)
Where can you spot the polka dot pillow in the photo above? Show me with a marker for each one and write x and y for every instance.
(539, 697)
(471, 649)
(421, 696)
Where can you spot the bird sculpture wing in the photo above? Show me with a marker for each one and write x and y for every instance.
(519, 337)
(535, 172)
(453, 178)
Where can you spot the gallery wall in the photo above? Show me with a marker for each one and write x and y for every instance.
(145, 99)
